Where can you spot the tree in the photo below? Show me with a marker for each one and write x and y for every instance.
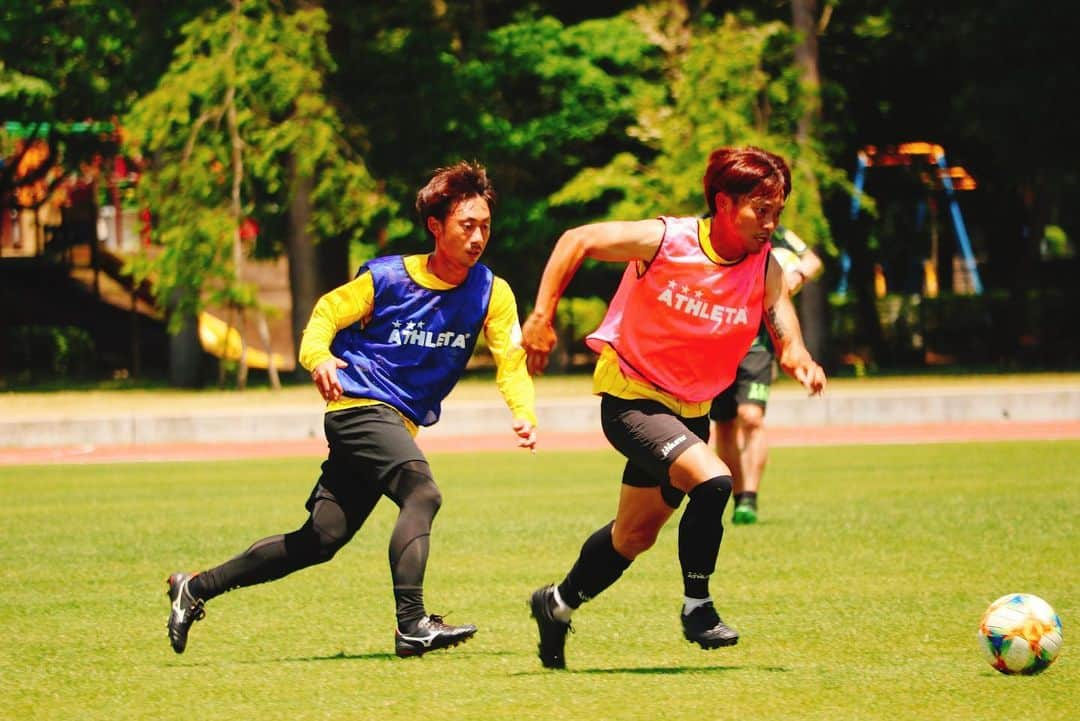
(813, 308)
(754, 97)
(239, 127)
(533, 99)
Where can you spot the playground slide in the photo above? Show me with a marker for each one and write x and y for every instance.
(221, 341)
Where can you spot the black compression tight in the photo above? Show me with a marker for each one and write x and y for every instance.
(324, 532)
(414, 491)
(329, 527)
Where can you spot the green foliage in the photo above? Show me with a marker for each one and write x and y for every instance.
(57, 58)
(543, 102)
(731, 83)
(930, 534)
(47, 351)
(1056, 243)
(77, 61)
(574, 121)
(577, 317)
(559, 89)
(249, 81)
(997, 329)
(15, 87)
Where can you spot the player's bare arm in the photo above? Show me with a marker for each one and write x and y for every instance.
(809, 267)
(783, 324)
(615, 241)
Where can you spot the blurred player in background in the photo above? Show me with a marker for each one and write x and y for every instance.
(739, 412)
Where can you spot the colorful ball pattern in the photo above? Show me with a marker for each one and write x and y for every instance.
(1020, 634)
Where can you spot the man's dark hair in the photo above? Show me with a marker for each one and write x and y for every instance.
(449, 186)
(739, 171)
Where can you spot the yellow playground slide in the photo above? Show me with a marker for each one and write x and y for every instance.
(221, 341)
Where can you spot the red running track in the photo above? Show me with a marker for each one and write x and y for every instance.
(316, 448)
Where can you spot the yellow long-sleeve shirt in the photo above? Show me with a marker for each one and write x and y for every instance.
(355, 301)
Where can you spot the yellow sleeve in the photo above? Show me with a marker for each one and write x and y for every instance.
(338, 309)
(503, 333)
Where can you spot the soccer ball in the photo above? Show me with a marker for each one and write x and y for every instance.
(1020, 633)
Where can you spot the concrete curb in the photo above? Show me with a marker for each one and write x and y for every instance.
(570, 415)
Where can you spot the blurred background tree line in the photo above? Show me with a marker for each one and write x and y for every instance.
(315, 122)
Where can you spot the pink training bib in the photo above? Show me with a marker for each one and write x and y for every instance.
(685, 323)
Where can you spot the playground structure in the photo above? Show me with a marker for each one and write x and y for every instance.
(57, 170)
(935, 175)
(46, 167)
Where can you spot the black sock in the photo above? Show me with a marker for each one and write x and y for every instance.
(195, 587)
(410, 607)
(700, 532)
(598, 566)
(746, 498)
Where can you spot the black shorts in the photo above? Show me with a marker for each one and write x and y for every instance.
(753, 379)
(651, 437)
(366, 445)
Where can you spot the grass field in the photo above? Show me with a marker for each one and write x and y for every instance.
(857, 596)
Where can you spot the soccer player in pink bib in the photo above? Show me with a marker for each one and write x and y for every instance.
(687, 309)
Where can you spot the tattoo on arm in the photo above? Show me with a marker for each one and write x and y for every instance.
(773, 319)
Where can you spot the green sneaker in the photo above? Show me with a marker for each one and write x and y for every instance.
(745, 513)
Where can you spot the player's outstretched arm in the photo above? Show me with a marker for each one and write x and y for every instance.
(503, 335)
(783, 325)
(616, 241)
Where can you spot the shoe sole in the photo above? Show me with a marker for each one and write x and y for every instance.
(420, 650)
(719, 643)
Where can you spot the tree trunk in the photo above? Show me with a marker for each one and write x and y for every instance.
(813, 308)
(185, 356)
(804, 22)
(332, 264)
(264, 337)
(303, 263)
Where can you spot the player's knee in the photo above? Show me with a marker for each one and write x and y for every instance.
(723, 486)
(712, 494)
(311, 544)
(632, 542)
(425, 501)
(324, 553)
(751, 417)
(415, 488)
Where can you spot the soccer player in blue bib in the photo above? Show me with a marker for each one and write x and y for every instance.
(384, 350)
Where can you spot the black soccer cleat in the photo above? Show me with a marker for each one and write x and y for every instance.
(185, 610)
(430, 634)
(705, 628)
(552, 631)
